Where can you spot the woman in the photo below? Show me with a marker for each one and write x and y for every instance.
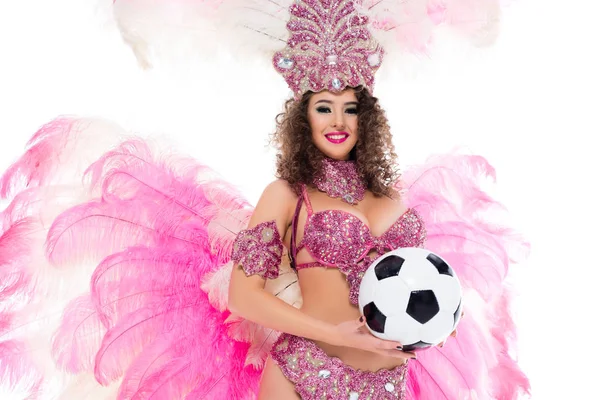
(336, 129)
(149, 319)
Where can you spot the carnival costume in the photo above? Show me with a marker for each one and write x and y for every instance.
(125, 272)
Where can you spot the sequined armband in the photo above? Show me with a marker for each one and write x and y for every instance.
(258, 250)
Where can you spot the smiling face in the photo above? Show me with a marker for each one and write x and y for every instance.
(333, 122)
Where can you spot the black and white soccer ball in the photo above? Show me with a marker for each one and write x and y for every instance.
(411, 295)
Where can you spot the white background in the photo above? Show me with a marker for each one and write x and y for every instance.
(530, 105)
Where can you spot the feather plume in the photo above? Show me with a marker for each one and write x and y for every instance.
(14, 256)
(142, 229)
(76, 341)
(160, 320)
(261, 339)
(18, 369)
(133, 287)
(466, 226)
(411, 26)
(159, 30)
(40, 160)
(58, 153)
(166, 29)
(84, 386)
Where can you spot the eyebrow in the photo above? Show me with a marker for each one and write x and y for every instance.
(353, 103)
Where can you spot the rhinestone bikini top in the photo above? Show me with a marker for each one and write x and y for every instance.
(338, 239)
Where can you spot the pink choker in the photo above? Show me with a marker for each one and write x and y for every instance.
(341, 179)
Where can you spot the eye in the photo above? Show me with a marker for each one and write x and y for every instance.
(352, 110)
(323, 110)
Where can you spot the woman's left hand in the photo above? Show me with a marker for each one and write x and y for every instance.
(453, 334)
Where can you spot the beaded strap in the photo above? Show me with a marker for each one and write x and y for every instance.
(259, 250)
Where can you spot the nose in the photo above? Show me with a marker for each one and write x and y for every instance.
(338, 121)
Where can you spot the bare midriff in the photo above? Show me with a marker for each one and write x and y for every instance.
(325, 296)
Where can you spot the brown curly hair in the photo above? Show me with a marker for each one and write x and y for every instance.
(299, 160)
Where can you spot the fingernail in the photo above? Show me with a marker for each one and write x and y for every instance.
(399, 347)
(362, 319)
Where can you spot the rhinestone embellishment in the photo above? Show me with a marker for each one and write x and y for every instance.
(328, 47)
(267, 235)
(324, 374)
(340, 179)
(374, 59)
(319, 376)
(285, 63)
(389, 387)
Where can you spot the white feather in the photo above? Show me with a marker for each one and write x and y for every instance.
(160, 30)
(253, 30)
(254, 27)
(216, 285)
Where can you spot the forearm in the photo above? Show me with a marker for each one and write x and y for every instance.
(267, 310)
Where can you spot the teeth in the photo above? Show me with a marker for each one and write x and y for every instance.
(336, 136)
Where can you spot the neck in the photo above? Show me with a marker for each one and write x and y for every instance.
(341, 179)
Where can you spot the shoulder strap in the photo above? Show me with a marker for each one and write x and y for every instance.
(293, 247)
(306, 200)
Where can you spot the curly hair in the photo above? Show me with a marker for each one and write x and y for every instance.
(299, 160)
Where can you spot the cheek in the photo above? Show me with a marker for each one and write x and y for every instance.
(354, 124)
(316, 123)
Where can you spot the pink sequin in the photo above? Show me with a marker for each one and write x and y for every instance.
(341, 179)
(259, 250)
(330, 47)
(318, 376)
(336, 238)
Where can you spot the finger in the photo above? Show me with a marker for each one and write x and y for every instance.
(399, 354)
(385, 344)
(364, 329)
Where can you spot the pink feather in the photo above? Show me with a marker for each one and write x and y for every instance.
(78, 338)
(38, 163)
(460, 219)
(17, 367)
(155, 234)
(158, 230)
(154, 257)
(152, 302)
(15, 255)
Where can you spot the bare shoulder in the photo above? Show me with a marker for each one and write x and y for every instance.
(278, 191)
(277, 203)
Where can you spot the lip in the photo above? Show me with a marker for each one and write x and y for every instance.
(337, 140)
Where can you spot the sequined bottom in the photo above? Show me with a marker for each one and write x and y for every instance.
(319, 376)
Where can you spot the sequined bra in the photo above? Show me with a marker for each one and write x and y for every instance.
(339, 239)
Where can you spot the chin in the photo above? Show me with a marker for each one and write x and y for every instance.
(336, 153)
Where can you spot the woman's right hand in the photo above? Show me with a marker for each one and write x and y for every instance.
(355, 334)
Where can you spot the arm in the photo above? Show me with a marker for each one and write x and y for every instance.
(247, 296)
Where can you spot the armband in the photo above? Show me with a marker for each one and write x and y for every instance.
(259, 250)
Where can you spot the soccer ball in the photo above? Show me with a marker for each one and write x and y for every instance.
(412, 296)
